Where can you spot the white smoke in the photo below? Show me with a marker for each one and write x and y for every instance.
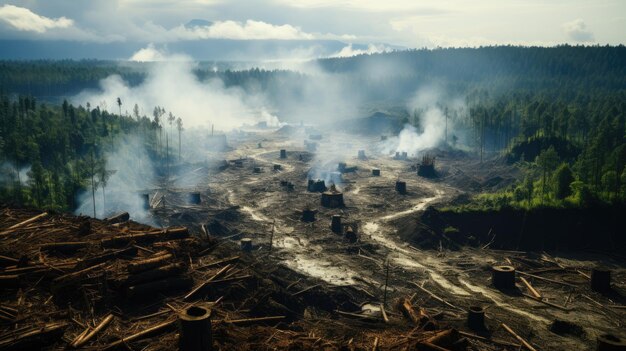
(132, 174)
(8, 175)
(172, 84)
(348, 51)
(431, 128)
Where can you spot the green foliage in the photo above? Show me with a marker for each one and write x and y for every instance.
(49, 154)
(563, 178)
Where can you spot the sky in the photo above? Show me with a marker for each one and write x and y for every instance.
(404, 23)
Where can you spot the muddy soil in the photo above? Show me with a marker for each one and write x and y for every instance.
(267, 209)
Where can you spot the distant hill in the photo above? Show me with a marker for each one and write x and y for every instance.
(202, 50)
(497, 68)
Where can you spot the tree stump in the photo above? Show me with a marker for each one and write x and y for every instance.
(335, 224)
(503, 277)
(246, 244)
(401, 187)
(194, 198)
(195, 329)
(600, 280)
(476, 318)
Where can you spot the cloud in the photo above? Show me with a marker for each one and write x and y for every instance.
(24, 19)
(348, 51)
(250, 30)
(576, 30)
(147, 54)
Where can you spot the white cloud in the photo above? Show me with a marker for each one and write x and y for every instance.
(147, 54)
(241, 31)
(577, 31)
(362, 5)
(24, 19)
(348, 50)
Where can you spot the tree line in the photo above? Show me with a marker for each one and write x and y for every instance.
(50, 153)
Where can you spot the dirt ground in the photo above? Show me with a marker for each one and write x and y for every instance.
(241, 202)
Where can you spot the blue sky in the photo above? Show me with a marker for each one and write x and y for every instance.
(425, 23)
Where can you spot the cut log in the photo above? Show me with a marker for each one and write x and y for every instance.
(21, 224)
(163, 235)
(85, 339)
(489, 340)
(519, 338)
(406, 307)
(152, 331)
(64, 247)
(152, 288)
(530, 288)
(107, 256)
(72, 278)
(155, 274)
(215, 263)
(149, 263)
(247, 321)
(34, 338)
(8, 261)
(118, 218)
(204, 284)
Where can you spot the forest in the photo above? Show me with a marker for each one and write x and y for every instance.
(558, 114)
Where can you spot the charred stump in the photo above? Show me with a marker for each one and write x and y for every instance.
(195, 329)
(503, 277)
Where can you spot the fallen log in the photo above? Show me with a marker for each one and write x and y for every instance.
(8, 261)
(384, 313)
(155, 274)
(546, 279)
(149, 263)
(154, 330)
(151, 288)
(519, 338)
(64, 247)
(437, 297)
(489, 340)
(541, 300)
(253, 320)
(72, 278)
(85, 339)
(21, 224)
(34, 338)
(215, 263)
(228, 280)
(203, 284)
(107, 256)
(118, 218)
(163, 235)
(530, 288)
(406, 307)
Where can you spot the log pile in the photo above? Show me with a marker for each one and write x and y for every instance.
(126, 285)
